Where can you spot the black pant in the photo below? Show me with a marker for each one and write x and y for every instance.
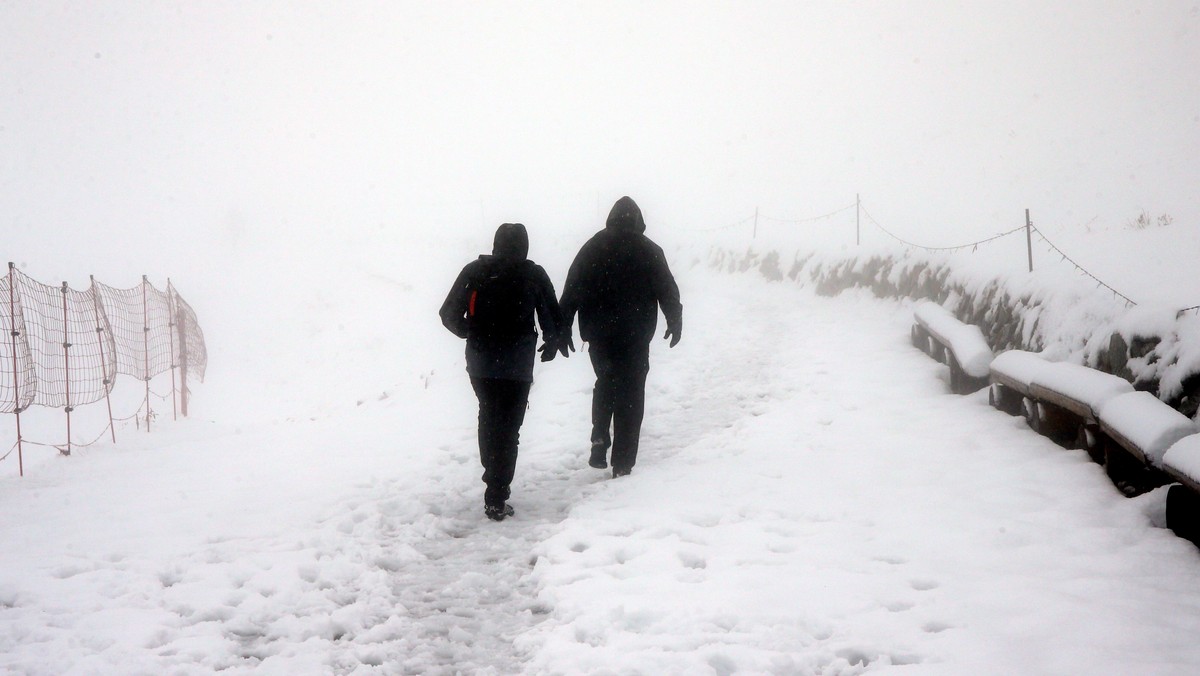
(502, 406)
(619, 399)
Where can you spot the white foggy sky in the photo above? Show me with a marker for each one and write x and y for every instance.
(173, 126)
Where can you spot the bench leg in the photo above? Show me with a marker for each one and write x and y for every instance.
(1183, 513)
(920, 339)
(937, 350)
(1059, 424)
(1092, 440)
(958, 384)
(1129, 475)
(1033, 418)
(1005, 399)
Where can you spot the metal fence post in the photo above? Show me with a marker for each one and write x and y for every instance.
(14, 334)
(67, 363)
(1029, 239)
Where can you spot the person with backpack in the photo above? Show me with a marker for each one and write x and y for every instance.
(617, 284)
(492, 305)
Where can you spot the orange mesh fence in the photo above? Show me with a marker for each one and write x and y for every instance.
(18, 381)
(189, 339)
(63, 348)
(71, 360)
(140, 318)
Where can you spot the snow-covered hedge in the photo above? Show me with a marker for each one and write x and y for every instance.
(1156, 349)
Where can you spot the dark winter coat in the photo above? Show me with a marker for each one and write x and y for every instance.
(618, 282)
(503, 347)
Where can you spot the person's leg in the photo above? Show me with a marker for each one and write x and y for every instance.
(603, 402)
(502, 406)
(512, 401)
(630, 370)
(488, 415)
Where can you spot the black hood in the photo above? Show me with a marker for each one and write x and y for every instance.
(626, 216)
(512, 242)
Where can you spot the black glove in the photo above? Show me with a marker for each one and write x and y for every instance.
(551, 348)
(673, 333)
(566, 343)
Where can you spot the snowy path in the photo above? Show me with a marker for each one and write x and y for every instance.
(808, 500)
(818, 503)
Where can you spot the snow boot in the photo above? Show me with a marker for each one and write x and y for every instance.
(498, 512)
(620, 472)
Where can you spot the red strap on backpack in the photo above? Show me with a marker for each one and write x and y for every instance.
(471, 303)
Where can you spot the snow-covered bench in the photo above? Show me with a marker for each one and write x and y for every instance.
(1137, 429)
(1182, 463)
(960, 346)
(1010, 374)
(1065, 401)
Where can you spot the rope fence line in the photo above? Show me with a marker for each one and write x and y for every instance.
(1028, 227)
(63, 348)
(60, 448)
(10, 450)
(727, 227)
(99, 436)
(66, 449)
(755, 217)
(1078, 267)
(810, 219)
(1129, 301)
(972, 245)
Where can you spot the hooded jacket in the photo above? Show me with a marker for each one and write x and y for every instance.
(501, 339)
(618, 282)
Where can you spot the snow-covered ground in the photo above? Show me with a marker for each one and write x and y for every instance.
(809, 499)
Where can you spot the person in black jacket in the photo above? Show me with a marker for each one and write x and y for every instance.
(617, 284)
(492, 304)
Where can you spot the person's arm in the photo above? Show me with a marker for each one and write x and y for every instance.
(549, 316)
(666, 291)
(575, 288)
(454, 309)
(572, 291)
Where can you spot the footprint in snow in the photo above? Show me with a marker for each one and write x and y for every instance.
(924, 584)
